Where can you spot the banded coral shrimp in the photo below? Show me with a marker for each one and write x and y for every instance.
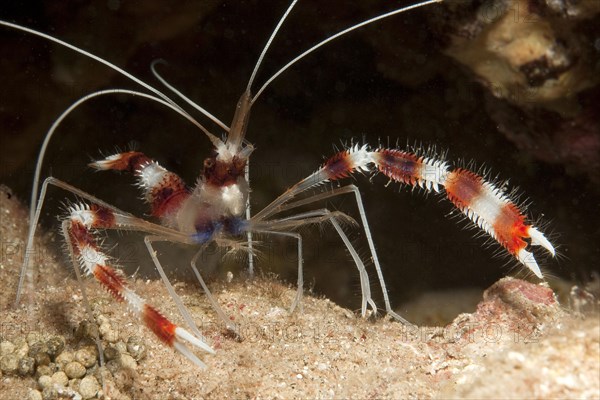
(146, 151)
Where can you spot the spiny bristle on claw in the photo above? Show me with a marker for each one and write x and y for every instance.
(164, 329)
(93, 215)
(174, 335)
(344, 163)
(399, 165)
(487, 205)
(410, 168)
(490, 208)
(94, 262)
(129, 161)
(165, 191)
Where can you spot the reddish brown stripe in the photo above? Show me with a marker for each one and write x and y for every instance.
(399, 165)
(162, 207)
(510, 228)
(462, 187)
(111, 280)
(103, 217)
(338, 166)
(162, 327)
(223, 173)
(80, 236)
(130, 161)
(167, 197)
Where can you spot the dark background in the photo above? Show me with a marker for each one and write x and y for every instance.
(386, 82)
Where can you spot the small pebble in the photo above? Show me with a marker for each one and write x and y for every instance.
(86, 330)
(105, 328)
(127, 361)
(9, 363)
(37, 347)
(33, 337)
(21, 347)
(121, 346)
(74, 384)
(44, 381)
(44, 370)
(86, 356)
(63, 359)
(75, 369)
(49, 393)
(26, 366)
(88, 387)
(42, 359)
(108, 333)
(101, 373)
(113, 366)
(60, 378)
(53, 367)
(39, 352)
(102, 319)
(6, 347)
(111, 353)
(56, 344)
(136, 348)
(34, 395)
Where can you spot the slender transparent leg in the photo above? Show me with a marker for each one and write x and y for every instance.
(317, 216)
(248, 216)
(300, 290)
(182, 309)
(365, 223)
(228, 323)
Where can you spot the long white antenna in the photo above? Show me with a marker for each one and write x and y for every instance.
(56, 124)
(90, 55)
(337, 35)
(120, 71)
(40, 159)
(184, 97)
(262, 55)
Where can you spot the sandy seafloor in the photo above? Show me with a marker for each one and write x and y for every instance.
(518, 344)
